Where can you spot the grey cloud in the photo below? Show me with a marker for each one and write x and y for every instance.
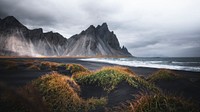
(27, 13)
(147, 28)
(142, 44)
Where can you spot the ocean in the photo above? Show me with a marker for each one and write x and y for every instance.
(173, 63)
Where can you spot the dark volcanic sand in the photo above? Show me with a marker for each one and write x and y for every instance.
(21, 77)
(188, 89)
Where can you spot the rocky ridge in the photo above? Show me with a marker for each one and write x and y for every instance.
(17, 40)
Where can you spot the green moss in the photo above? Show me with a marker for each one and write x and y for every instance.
(109, 77)
(163, 75)
(75, 68)
(160, 103)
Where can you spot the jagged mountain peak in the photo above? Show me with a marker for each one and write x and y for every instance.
(90, 29)
(94, 41)
(124, 49)
(10, 22)
(100, 29)
(104, 25)
(10, 18)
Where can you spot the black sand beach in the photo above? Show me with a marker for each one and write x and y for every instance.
(18, 72)
(17, 78)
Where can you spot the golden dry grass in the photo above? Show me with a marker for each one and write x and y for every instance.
(75, 68)
(61, 93)
(49, 65)
(158, 103)
(109, 77)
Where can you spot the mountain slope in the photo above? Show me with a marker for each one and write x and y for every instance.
(97, 41)
(17, 39)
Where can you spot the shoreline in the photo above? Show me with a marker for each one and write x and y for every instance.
(75, 57)
(19, 75)
(22, 77)
(93, 65)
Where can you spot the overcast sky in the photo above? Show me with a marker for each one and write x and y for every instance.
(145, 27)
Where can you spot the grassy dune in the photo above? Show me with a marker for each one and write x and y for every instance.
(109, 77)
(158, 103)
(113, 88)
(163, 74)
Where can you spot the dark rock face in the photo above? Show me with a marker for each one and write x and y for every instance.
(16, 39)
(10, 22)
(97, 41)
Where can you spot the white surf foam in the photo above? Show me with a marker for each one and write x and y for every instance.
(149, 64)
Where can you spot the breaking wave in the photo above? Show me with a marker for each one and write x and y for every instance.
(160, 63)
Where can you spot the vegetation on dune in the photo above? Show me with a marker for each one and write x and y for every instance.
(49, 65)
(33, 67)
(29, 64)
(109, 77)
(60, 93)
(51, 92)
(57, 93)
(41, 65)
(17, 101)
(163, 74)
(80, 74)
(75, 68)
(158, 103)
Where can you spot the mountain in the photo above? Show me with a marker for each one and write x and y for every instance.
(17, 40)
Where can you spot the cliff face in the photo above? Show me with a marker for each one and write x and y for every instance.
(97, 41)
(17, 39)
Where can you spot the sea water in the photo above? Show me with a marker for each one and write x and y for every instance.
(173, 63)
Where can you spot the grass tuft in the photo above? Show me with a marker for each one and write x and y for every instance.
(159, 103)
(75, 68)
(61, 93)
(109, 77)
(49, 65)
(49, 93)
(163, 74)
